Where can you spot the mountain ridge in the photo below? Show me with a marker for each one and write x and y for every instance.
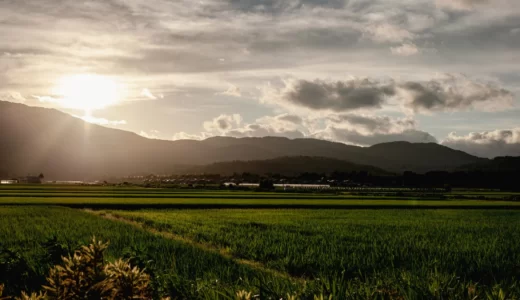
(287, 166)
(65, 147)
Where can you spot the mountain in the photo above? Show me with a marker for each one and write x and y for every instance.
(34, 140)
(288, 166)
(420, 157)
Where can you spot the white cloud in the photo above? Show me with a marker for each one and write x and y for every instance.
(151, 134)
(488, 143)
(367, 130)
(231, 91)
(261, 130)
(223, 123)
(357, 138)
(146, 93)
(102, 121)
(406, 49)
(383, 33)
(347, 128)
(186, 136)
(12, 97)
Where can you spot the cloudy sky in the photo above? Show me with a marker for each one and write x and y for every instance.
(354, 71)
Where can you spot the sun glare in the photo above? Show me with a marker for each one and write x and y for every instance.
(87, 91)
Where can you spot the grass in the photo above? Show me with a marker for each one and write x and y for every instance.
(273, 243)
(194, 272)
(476, 245)
(205, 203)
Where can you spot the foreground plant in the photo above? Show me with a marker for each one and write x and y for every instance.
(24, 296)
(86, 275)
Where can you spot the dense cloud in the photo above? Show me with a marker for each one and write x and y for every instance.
(290, 118)
(232, 90)
(335, 96)
(356, 138)
(452, 92)
(374, 124)
(460, 4)
(407, 49)
(12, 97)
(285, 125)
(260, 130)
(182, 54)
(355, 129)
(488, 143)
(366, 130)
(186, 136)
(223, 123)
(279, 6)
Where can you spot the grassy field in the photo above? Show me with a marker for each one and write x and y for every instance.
(272, 244)
(191, 271)
(272, 202)
(477, 245)
(98, 197)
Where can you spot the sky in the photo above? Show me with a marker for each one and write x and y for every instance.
(359, 72)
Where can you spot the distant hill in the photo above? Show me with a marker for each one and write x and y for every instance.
(498, 164)
(288, 166)
(34, 140)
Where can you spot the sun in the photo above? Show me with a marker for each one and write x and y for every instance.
(87, 92)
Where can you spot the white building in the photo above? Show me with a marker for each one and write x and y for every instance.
(8, 181)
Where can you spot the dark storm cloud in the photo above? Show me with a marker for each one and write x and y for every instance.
(336, 96)
(452, 92)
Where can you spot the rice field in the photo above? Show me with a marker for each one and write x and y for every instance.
(211, 244)
(192, 270)
(477, 245)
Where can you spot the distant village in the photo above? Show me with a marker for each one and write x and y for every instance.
(24, 180)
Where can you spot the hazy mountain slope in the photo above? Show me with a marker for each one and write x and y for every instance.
(293, 165)
(34, 140)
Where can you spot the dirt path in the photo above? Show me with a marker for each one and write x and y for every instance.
(207, 247)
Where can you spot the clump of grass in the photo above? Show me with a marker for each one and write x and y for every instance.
(87, 275)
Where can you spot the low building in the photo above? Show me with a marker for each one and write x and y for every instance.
(30, 180)
(9, 181)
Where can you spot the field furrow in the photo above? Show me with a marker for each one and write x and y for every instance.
(204, 246)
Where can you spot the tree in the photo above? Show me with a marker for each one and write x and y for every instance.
(266, 184)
